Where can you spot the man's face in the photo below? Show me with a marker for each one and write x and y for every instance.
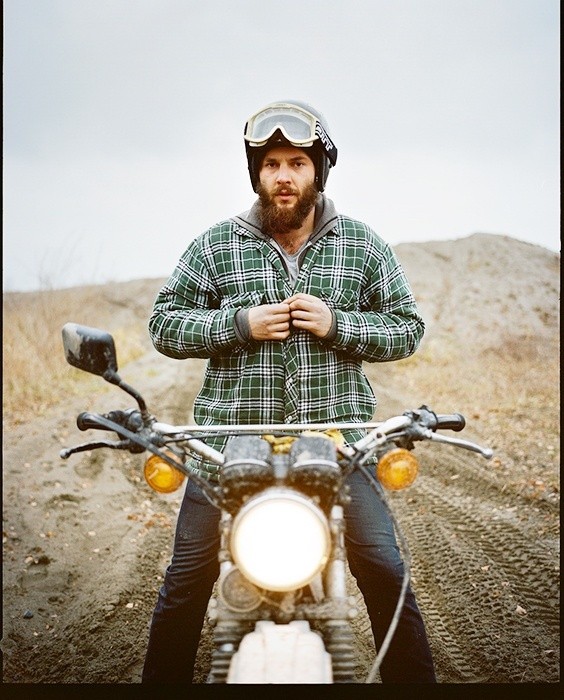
(285, 173)
(286, 191)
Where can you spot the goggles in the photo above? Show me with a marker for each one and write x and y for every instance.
(300, 127)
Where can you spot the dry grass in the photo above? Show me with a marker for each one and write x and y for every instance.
(36, 375)
(518, 374)
(508, 392)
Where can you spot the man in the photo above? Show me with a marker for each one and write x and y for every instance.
(286, 300)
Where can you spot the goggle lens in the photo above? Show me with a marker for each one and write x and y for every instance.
(298, 126)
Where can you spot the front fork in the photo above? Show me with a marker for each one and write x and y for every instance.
(337, 632)
(228, 629)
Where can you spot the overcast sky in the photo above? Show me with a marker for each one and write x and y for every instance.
(123, 122)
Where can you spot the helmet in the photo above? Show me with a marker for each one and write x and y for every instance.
(289, 123)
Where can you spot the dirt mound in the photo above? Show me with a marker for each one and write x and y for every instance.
(86, 542)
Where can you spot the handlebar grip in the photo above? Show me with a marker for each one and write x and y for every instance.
(455, 422)
(85, 421)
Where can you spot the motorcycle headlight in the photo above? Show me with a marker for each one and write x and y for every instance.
(280, 540)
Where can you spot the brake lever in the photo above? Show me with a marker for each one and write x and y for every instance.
(456, 442)
(85, 446)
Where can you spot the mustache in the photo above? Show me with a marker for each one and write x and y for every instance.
(284, 190)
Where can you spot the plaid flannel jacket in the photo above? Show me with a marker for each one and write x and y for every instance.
(302, 379)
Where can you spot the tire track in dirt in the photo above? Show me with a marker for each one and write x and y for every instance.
(488, 592)
(491, 520)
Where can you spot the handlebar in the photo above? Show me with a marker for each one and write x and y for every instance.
(455, 422)
(420, 424)
(129, 425)
(87, 421)
(130, 419)
(427, 418)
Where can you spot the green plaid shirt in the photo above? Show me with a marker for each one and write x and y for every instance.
(302, 379)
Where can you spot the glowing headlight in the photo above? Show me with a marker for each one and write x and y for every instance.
(280, 540)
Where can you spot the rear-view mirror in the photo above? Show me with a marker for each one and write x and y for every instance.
(89, 349)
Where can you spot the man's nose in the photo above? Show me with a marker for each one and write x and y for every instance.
(283, 174)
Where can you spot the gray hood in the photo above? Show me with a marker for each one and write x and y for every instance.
(325, 219)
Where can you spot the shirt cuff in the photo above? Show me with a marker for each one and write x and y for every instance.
(241, 325)
(333, 330)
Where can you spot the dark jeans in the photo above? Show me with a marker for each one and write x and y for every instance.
(374, 560)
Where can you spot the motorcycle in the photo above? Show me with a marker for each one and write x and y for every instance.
(281, 613)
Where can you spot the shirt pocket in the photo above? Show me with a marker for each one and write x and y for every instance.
(243, 300)
(343, 299)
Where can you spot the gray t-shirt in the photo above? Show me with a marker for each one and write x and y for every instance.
(290, 260)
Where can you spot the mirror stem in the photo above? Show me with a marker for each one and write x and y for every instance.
(114, 378)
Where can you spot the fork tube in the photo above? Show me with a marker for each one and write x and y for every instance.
(336, 570)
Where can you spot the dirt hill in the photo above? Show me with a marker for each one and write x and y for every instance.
(86, 542)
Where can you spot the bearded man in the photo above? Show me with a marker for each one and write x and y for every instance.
(286, 301)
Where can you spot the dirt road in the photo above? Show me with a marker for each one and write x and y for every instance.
(86, 541)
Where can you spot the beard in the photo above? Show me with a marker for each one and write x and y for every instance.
(277, 219)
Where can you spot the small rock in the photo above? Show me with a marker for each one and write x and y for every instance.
(27, 615)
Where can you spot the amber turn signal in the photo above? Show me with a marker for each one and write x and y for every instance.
(161, 476)
(397, 469)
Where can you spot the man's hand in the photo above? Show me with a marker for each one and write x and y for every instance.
(270, 321)
(310, 314)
